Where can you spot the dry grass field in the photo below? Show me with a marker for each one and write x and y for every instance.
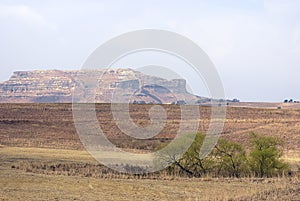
(17, 184)
(42, 158)
(52, 126)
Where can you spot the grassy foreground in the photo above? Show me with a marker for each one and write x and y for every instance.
(16, 184)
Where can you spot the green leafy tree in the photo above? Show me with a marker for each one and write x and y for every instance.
(189, 163)
(232, 159)
(193, 162)
(265, 156)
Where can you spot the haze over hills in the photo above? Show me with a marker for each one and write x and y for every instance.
(118, 85)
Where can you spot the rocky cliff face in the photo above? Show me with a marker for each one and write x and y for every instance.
(58, 86)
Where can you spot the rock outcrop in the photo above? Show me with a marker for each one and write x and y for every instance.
(58, 86)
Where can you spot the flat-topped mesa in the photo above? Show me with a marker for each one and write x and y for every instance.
(58, 86)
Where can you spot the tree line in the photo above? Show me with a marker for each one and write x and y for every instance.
(227, 159)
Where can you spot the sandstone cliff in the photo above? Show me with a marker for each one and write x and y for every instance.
(58, 86)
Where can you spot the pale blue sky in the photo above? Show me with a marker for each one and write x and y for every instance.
(254, 44)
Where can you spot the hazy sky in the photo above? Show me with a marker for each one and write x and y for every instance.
(254, 44)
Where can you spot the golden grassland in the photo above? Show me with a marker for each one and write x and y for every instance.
(36, 135)
(16, 184)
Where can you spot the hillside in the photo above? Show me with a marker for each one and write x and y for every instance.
(51, 125)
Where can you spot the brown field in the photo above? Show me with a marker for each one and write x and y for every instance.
(41, 157)
(52, 126)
